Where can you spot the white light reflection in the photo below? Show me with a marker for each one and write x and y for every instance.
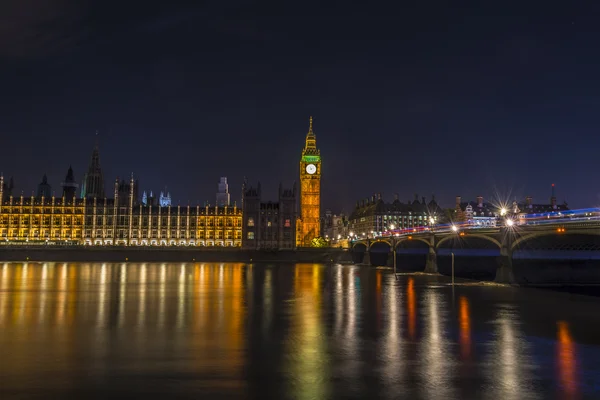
(391, 350)
(162, 295)
(181, 298)
(510, 364)
(338, 298)
(437, 370)
(268, 300)
(102, 297)
(122, 293)
(43, 290)
(142, 297)
(351, 369)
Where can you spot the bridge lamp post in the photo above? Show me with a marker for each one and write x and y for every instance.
(455, 230)
(393, 246)
(432, 223)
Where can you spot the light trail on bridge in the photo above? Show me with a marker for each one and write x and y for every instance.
(550, 218)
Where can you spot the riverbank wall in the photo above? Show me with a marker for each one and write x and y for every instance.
(176, 254)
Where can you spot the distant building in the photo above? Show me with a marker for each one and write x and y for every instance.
(223, 198)
(327, 224)
(340, 227)
(335, 227)
(268, 225)
(481, 214)
(374, 216)
(44, 188)
(476, 213)
(526, 209)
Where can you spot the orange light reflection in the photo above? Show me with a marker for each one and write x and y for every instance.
(567, 363)
(465, 328)
(412, 313)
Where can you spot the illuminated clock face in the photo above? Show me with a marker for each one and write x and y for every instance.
(311, 169)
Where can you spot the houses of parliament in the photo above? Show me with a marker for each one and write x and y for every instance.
(95, 215)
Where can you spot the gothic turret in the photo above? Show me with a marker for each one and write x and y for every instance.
(93, 183)
(44, 188)
(69, 185)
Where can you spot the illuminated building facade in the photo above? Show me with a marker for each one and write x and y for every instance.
(40, 219)
(120, 220)
(480, 214)
(269, 225)
(373, 216)
(309, 225)
(476, 213)
(116, 221)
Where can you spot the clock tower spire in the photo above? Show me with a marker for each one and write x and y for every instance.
(309, 226)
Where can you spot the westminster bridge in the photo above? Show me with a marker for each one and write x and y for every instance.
(552, 251)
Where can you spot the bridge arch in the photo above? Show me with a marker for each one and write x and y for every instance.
(567, 236)
(465, 238)
(359, 244)
(386, 241)
(414, 239)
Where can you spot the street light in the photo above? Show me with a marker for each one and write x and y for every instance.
(509, 222)
(503, 211)
(393, 247)
(454, 228)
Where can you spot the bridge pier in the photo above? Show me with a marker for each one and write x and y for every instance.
(431, 266)
(504, 272)
(367, 258)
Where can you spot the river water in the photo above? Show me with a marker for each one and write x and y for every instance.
(286, 331)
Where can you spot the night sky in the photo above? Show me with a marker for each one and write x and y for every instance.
(423, 98)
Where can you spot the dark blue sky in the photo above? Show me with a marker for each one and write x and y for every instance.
(427, 98)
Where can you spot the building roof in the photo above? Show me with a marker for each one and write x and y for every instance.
(379, 207)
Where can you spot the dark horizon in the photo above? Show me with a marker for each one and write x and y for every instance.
(426, 99)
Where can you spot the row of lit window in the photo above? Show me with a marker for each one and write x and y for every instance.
(287, 223)
(56, 210)
(37, 221)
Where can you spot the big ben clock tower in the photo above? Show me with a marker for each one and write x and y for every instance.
(310, 191)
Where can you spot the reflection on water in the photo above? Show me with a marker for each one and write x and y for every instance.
(465, 328)
(281, 331)
(567, 364)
